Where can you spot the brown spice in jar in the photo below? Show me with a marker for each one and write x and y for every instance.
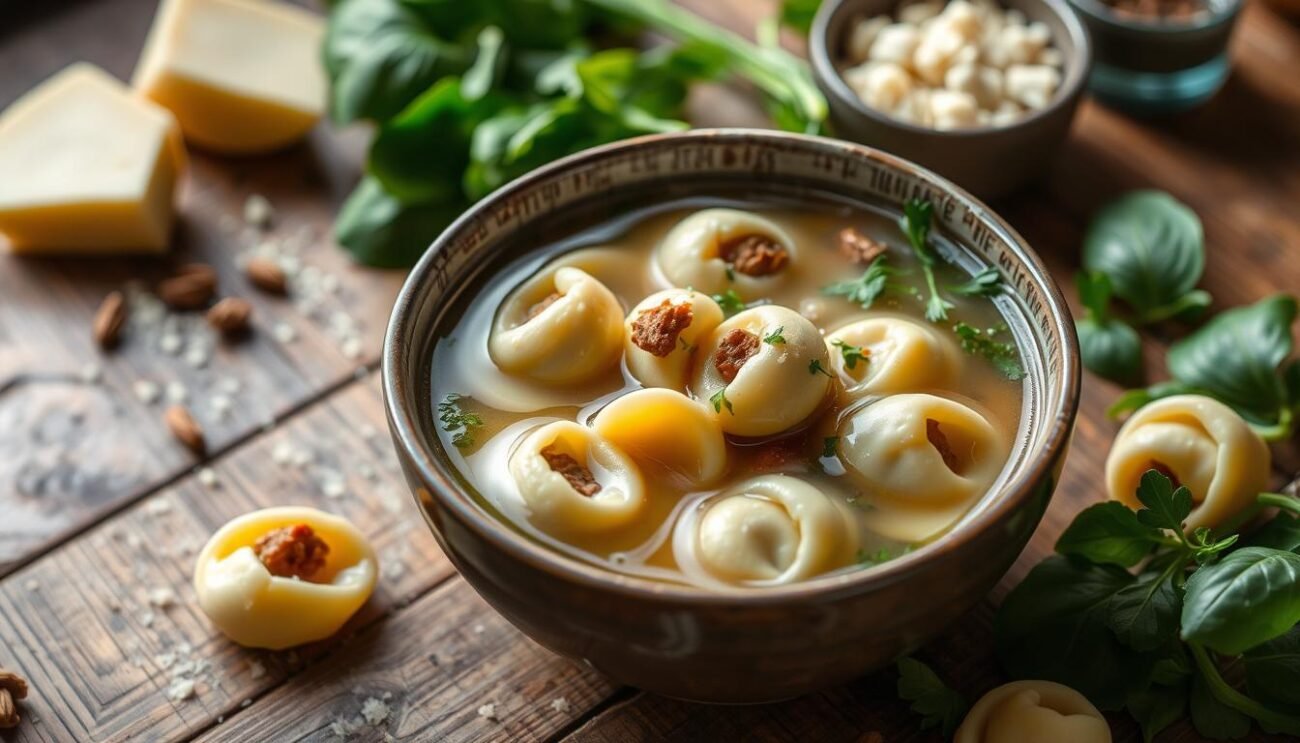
(736, 347)
(655, 330)
(578, 476)
(754, 255)
(292, 551)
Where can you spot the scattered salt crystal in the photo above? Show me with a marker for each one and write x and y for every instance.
(488, 711)
(32, 585)
(196, 356)
(230, 385)
(207, 478)
(91, 373)
(367, 471)
(162, 597)
(170, 343)
(180, 690)
(176, 392)
(282, 452)
(256, 669)
(165, 660)
(258, 212)
(332, 484)
(329, 283)
(301, 457)
(351, 347)
(245, 704)
(221, 405)
(479, 629)
(221, 719)
(284, 332)
(147, 619)
(133, 541)
(368, 431)
(560, 705)
(146, 391)
(375, 711)
(158, 507)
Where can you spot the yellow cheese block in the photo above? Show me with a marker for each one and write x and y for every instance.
(87, 167)
(241, 76)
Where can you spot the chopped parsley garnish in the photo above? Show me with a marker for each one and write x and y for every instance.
(986, 283)
(1002, 355)
(730, 302)
(829, 445)
(874, 558)
(868, 287)
(815, 367)
(917, 216)
(458, 422)
(775, 338)
(731, 273)
(719, 400)
(852, 354)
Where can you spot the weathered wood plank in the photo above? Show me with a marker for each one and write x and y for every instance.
(85, 626)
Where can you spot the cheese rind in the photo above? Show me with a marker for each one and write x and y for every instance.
(87, 167)
(241, 76)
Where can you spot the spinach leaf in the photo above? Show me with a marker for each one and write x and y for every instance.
(1249, 597)
(1211, 717)
(938, 705)
(378, 230)
(1054, 626)
(1273, 671)
(1145, 614)
(1110, 347)
(1152, 248)
(1157, 707)
(1108, 533)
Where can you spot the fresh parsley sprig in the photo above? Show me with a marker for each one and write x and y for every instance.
(775, 338)
(1004, 356)
(719, 401)
(917, 217)
(457, 421)
(852, 354)
(730, 302)
(932, 699)
(815, 367)
(868, 287)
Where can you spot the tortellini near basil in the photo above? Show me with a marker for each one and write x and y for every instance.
(923, 460)
(667, 429)
(887, 354)
(663, 334)
(1198, 442)
(562, 326)
(1024, 711)
(762, 371)
(772, 529)
(575, 482)
(714, 250)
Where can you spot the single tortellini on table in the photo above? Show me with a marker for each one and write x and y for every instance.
(667, 429)
(573, 481)
(281, 577)
(714, 250)
(923, 461)
(663, 333)
(763, 371)
(887, 354)
(561, 327)
(772, 529)
(1024, 711)
(1198, 442)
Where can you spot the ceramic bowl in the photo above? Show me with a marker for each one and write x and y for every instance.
(744, 645)
(990, 161)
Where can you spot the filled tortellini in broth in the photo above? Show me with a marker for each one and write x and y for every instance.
(667, 429)
(1024, 711)
(922, 460)
(1198, 442)
(714, 250)
(663, 334)
(572, 481)
(887, 354)
(763, 371)
(561, 327)
(771, 529)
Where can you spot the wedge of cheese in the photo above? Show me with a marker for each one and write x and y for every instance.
(241, 76)
(86, 166)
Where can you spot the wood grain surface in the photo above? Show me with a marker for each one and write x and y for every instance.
(102, 512)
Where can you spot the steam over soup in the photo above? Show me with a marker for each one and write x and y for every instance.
(725, 393)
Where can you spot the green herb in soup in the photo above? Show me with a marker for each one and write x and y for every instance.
(681, 400)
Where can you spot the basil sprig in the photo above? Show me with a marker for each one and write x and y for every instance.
(1137, 614)
(1242, 358)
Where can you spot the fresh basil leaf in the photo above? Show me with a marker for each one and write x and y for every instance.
(1174, 666)
(1151, 247)
(1111, 349)
(938, 705)
(1053, 626)
(1273, 671)
(1094, 293)
(1145, 614)
(1282, 532)
(1235, 357)
(379, 56)
(1134, 399)
(379, 230)
(1157, 707)
(1249, 597)
(1108, 533)
(1212, 718)
(1165, 507)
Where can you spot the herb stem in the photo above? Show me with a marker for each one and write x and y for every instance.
(1278, 500)
(1278, 431)
(1230, 697)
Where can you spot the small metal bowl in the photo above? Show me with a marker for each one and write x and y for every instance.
(989, 161)
(1152, 66)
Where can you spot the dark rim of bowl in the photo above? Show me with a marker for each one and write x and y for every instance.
(399, 404)
(1221, 13)
(1076, 74)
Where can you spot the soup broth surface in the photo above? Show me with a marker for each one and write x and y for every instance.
(839, 450)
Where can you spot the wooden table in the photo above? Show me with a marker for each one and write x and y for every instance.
(101, 512)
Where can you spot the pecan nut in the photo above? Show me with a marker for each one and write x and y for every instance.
(109, 320)
(267, 275)
(230, 315)
(12, 688)
(191, 288)
(186, 430)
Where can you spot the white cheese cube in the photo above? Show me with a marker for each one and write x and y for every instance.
(1014, 45)
(953, 110)
(85, 166)
(917, 13)
(862, 36)
(984, 83)
(934, 55)
(1007, 113)
(881, 85)
(241, 76)
(915, 108)
(1032, 85)
(1052, 57)
(963, 18)
(895, 43)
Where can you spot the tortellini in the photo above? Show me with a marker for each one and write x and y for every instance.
(667, 429)
(663, 333)
(561, 327)
(887, 354)
(763, 371)
(714, 250)
(770, 530)
(1024, 711)
(1198, 442)
(285, 576)
(922, 459)
(575, 482)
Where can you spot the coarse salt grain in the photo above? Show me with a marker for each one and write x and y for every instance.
(158, 507)
(284, 332)
(282, 452)
(351, 348)
(180, 690)
(488, 711)
(32, 585)
(258, 211)
(162, 597)
(256, 669)
(146, 391)
(176, 392)
(91, 373)
(560, 705)
(208, 478)
(375, 711)
(170, 343)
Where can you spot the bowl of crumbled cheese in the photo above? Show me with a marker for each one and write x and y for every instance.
(982, 91)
